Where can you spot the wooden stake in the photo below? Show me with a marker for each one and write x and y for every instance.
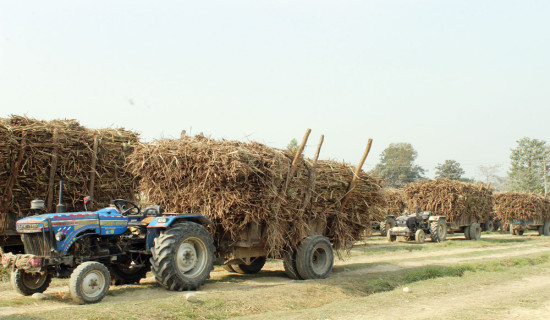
(356, 175)
(298, 153)
(311, 182)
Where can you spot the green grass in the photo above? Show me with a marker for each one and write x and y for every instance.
(374, 283)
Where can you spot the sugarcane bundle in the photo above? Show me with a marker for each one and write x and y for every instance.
(91, 162)
(235, 183)
(521, 206)
(450, 198)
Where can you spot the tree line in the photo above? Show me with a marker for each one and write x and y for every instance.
(528, 170)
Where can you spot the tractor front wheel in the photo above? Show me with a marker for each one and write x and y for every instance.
(420, 236)
(27, 283)
(183, 256)
(89, 282)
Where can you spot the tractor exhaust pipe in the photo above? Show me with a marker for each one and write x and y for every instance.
(60, 207)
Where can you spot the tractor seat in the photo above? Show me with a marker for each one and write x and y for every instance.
(425, 215)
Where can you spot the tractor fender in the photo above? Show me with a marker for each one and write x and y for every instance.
(165, 222)
(437, 218)
(69, 242)
(161, 223)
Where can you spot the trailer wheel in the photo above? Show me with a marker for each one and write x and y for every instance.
(512, 229)
(420, 236)
(546, 229)
(252, 268)
(89, 282)
(391, 238)
(386, 225)
(27, 283)
(467, 233)
(289, 263)
(314, 257)
(489, 226)
(438, 231)
(475, 231)
(183, 256)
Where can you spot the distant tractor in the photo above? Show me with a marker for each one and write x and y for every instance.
(418, 226)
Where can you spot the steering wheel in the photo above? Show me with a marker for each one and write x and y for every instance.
(125, 206)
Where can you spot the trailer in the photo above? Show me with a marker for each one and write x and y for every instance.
(10, 240)
(519, 226)
(466, 224)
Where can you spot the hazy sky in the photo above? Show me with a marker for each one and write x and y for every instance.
(458, 80)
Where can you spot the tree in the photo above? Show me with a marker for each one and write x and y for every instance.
(489, 173)
(527, 169)
(451, 169)
(293, 145)
(397, 165)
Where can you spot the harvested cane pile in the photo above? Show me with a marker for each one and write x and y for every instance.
(92, 162)
(235, 183)
(450, 198)
(395, 202)
(522, 206)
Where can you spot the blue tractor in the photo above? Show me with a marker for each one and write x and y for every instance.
(114, 245)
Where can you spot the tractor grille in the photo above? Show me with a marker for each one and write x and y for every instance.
(39, 244)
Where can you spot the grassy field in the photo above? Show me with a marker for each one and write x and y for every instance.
(500, 276)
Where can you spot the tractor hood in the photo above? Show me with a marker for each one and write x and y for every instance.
(40, 222)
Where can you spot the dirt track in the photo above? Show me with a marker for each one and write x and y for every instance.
(270, 294)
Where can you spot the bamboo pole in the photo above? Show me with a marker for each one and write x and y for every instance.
(356, 175)
(299, 152)
(312, 177)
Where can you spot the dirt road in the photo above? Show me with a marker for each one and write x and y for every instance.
(500, 276)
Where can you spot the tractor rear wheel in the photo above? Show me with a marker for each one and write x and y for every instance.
(438, 231)
(27, 283)
(89, 282)
(289, 263)
(314, 257)
(252, 268)
(183, 256)
(386, 225)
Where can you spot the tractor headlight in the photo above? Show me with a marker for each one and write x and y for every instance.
(60, 236)
(162, 220)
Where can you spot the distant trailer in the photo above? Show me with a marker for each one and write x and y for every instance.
(518, 226)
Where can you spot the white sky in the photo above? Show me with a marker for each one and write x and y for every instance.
(459, 80)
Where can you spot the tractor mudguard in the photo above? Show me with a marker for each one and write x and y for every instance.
(436, 218)
(164, 222)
